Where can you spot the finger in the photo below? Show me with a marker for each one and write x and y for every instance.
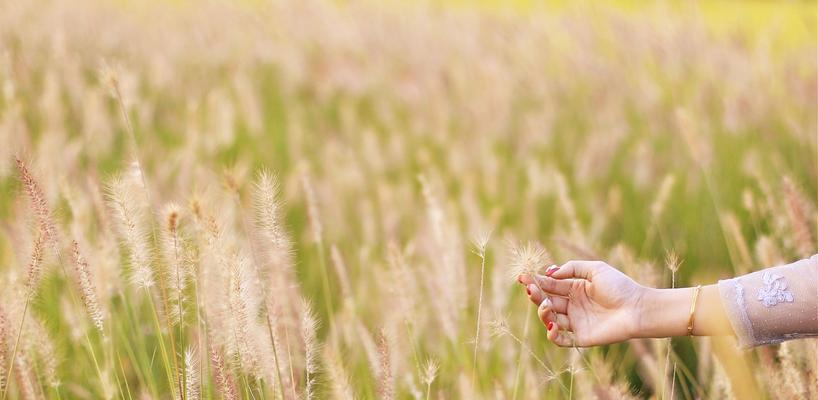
(534, 294)
(547, 314)
(558, 336)
(543, 269)
(576, 269)
(525, 279)
(538, 297)
(562, 321)
(552, 304)
(553, 286)
(559, 304)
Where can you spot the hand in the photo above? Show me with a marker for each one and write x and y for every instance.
(586, 303)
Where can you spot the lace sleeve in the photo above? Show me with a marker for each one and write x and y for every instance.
(773, 305)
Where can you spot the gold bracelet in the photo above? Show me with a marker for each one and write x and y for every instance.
(696, 291)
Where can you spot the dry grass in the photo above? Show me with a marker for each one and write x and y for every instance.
(177, 180)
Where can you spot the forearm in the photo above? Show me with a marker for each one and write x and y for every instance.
(666, 312)
(768, 306)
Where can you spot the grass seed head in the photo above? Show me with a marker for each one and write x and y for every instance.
(430, 369)
(86, 286)
(527, 259)
(34, 272)
(192, 377)
(480, 241)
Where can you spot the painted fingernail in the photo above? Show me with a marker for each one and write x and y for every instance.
(520, 278)
(551, 270)
(550, 325)
(530, 288)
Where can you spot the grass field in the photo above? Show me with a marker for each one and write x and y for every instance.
(317, 199)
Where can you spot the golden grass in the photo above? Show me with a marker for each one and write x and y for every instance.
(292, 199)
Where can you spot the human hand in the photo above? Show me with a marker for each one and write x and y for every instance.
(586, 303)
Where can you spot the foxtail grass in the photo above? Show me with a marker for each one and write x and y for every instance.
(480, 242)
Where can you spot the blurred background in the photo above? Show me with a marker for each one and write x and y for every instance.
(399, 132)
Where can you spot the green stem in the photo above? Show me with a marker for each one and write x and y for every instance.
(519, 376)
(124, 378)
(96, 364)
(183, 371)
(290, 362)
(275, 355)
(412, 343)
(161, 340)
(477, 329)
(327, 292)
(14, 351)
(138, 356)
(200, 324)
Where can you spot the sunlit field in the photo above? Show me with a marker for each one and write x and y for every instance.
(316, 199)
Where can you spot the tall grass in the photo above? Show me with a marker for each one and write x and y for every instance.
(273, 201)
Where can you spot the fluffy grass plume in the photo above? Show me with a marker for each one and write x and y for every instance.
(177, 272)
(527, 259)
(129, 212)
(192, 375)
(312, 350)
(38, 203)
(222, 376)
(34, 270)
(3, 349)
(86, 287)
(339, 382)
(386, 382)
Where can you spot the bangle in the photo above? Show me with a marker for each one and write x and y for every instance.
(696, 291)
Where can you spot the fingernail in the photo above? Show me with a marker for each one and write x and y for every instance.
(545, 304)
(530, 288)
(551, 270)
(520, 278)
(550, 325)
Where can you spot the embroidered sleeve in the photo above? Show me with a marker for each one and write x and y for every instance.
(774, 304)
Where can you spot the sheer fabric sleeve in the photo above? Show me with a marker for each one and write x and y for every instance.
(773, 305)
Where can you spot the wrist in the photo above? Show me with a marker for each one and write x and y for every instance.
(663, 313)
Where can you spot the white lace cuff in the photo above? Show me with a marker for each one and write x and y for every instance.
(774, 304)
(732, 297)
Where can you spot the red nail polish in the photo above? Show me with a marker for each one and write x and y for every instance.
(527, 291)
(550, 325)
(551, 271)
(520, 278)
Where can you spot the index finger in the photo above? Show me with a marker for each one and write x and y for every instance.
(577, 269)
